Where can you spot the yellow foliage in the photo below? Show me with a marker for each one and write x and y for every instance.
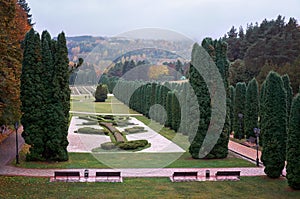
(156, 71)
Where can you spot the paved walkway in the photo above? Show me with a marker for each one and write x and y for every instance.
(8, 147)
(132, 172)
(244, 151)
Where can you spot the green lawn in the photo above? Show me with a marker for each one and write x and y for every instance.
(247, 187)
(136, 160)
(111, 105)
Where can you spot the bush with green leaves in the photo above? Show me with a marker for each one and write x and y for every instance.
(108, 146)
(135, 129)
(101, 93)
(134, 144)
(89, 130)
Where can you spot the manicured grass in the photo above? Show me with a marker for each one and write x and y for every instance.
(111, 105)
(185, 161)
(247, 187)
(135, 160)
(76, 160)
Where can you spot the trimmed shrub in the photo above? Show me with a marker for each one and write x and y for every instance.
(108, 146)
(89, 130)
(134, 144)
(101, 93)
(135, 129)
(90, 123)
(87, 118)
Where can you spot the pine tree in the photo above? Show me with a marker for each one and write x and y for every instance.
(202, 93)
(293, 145)
(169, 109)
(217, 49)
(289, 93)
(25, 7)
(261, 110)
(175, 110)
(239, 111)
(32, 96)
(45, 96)
(251, 108)
(232, 99)
(274, 126)
(218, 52)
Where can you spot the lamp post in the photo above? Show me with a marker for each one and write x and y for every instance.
(17, 144)
(257, 132)
(240, 115)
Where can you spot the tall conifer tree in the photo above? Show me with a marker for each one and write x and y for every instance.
(293, 145)
(251, 108)
(239, 111)
(274, 126)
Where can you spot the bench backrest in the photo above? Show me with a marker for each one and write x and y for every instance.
(66, 173)
(106, 173)
(228, 173)
(185, 173)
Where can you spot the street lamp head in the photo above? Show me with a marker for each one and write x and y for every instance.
(256, 131)
(16, 125)
(240, 115)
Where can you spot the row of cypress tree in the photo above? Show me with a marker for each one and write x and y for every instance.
(45, 96)
(169, 101)
(275, 111)
(247, 107)
(186, 105)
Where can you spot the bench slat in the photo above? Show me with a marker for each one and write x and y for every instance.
(228, 173)
(185, 174)
(108, 174)
(66, 174)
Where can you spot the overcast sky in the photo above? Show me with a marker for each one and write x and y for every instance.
(194, 18)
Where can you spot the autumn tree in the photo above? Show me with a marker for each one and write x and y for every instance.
(13, 26)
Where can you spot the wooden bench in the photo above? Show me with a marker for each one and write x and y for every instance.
(110, 176)
(67, 174)
(227, 175)
(185, 176)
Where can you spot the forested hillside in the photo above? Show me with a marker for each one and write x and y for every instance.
(270, 45)
(107, 54)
